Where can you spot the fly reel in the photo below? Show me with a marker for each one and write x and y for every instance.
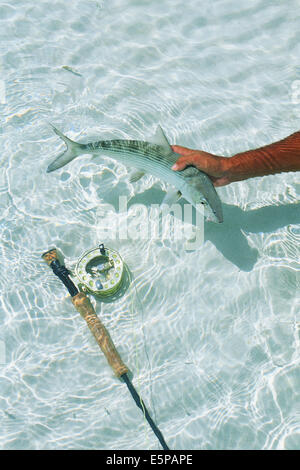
(100, 271)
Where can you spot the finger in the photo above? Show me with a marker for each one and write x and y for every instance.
(182, 162)
(181, 150)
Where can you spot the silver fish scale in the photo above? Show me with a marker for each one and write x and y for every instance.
(139, 154)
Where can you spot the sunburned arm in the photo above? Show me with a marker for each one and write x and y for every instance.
(281, 156)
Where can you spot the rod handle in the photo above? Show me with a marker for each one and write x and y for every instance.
(84, 306)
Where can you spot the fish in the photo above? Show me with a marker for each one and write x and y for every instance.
(69, 69)
(154, 156)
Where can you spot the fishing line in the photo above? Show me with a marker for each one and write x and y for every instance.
(100, 270)
(135, 300)
(134, 295)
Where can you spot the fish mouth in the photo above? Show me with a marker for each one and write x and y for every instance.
(213, 218)
(209, 214)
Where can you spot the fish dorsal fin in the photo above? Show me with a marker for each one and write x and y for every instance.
(159, 138)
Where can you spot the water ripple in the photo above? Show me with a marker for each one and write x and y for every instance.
(211, 336)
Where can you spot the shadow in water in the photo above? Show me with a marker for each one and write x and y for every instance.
(228, 237)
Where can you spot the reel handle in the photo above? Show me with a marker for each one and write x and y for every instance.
(84, 306)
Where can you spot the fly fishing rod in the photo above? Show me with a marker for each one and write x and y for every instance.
(97, 280)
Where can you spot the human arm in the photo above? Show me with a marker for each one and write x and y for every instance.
(281, 156)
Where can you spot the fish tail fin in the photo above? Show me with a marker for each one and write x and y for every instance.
(73, 150)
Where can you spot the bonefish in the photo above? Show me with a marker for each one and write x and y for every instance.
(155, 157)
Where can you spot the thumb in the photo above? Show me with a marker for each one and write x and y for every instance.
(182, 162)
(187, 157)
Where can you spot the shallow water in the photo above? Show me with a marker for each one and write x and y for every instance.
(211, 335)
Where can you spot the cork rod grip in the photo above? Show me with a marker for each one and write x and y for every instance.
(83, 305)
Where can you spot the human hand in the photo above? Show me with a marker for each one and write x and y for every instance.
(213, 165)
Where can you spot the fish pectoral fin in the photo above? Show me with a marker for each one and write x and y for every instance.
(135, 176)
(159, 138)
(172, 196)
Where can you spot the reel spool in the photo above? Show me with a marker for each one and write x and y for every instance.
(100, 271)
